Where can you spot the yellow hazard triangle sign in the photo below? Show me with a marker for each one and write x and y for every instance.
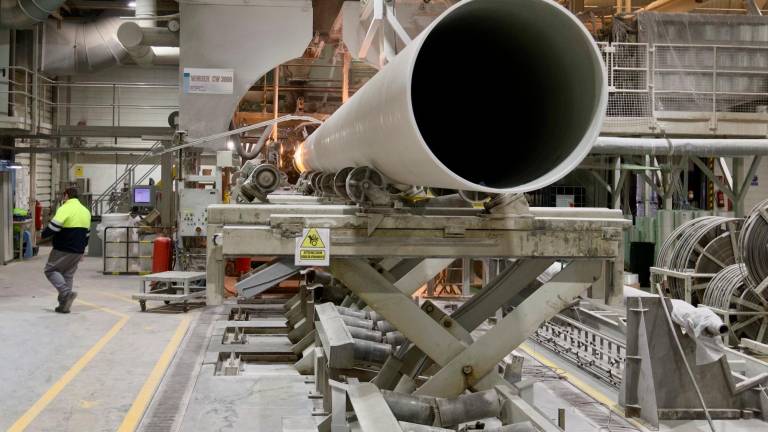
(312, 240)
(313, 247)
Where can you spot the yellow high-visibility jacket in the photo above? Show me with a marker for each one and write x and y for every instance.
(70, 227)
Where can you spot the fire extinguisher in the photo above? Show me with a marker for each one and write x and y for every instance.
(38, 216)
(162, 253)
(720, 199)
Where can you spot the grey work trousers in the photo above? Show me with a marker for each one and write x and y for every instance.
(60, 270)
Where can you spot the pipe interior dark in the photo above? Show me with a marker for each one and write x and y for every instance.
(523, 117)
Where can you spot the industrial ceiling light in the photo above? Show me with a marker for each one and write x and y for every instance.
(230, 145)
(9, 165)
(132, 5)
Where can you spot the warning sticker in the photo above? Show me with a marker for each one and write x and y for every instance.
(313, 247)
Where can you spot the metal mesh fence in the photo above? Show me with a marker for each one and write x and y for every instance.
(647, 81)
(629, 97)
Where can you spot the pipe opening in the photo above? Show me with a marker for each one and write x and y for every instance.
(536, 109)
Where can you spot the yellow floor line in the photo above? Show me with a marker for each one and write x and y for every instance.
(103, 309)
(581, 385)
(117, 296)
(69, 375)
(134, 414)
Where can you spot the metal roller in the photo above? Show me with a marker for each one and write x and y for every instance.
(394, 338)
(394, 122)
(704, 245)
(371, 352)
(357, 322)
(468, 407)
(729, 291)
(752, 243)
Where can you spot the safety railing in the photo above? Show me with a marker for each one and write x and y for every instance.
(39, 103)
(652, 86)
(27, 98)
(648, 86)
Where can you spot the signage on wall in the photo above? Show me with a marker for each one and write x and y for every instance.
(79, 171)
(208, 81)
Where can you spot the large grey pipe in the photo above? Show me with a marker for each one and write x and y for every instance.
(21, 14)
(551, 110)
(715, 147)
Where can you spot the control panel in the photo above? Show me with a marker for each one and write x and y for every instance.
(193, 211)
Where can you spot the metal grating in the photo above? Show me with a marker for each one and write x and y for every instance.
(166, 411)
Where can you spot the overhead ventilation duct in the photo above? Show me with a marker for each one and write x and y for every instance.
(21, 14)
(139, 42)
(519, 129)
(79, 47)
(132, 35)
(141, 54)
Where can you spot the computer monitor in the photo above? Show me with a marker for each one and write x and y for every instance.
(143, 196)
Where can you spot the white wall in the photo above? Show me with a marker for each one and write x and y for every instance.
(43, 178)
(103, 175)
(124, 115)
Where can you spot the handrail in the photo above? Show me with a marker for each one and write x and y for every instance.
(146, 174)
(128, 172)
(33, 100)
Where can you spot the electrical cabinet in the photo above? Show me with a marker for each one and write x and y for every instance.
(193, 211)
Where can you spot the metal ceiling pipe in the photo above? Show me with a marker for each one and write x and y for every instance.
(132, 35)
(718, 147)
(141, 54)
(145, 9)
(403, 121)
(20, 14)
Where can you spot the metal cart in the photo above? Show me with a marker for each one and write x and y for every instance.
(170, 286)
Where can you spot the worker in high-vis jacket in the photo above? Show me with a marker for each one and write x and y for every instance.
(69, 228)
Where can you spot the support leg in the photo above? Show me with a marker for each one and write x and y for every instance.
(468, 368)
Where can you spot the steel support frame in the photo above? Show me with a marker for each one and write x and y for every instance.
(463, 366)
(380, 12)
(510, 287)
(270, 229)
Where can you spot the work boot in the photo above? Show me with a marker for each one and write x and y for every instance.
(59, 309)
(68, 300)
(61, 298)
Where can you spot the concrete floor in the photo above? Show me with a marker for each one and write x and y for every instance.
(104, 351)
(96, 368)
